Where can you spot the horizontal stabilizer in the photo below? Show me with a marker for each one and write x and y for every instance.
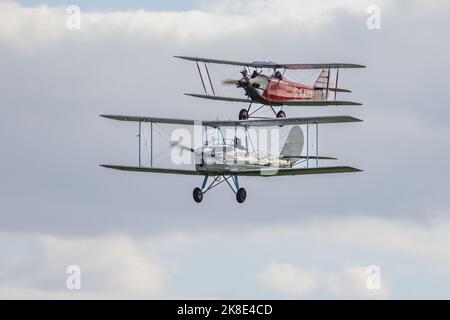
(335, 90)
(313, 103)
(311, 157)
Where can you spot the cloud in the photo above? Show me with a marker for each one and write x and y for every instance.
(120, 62)
(37, 28)
(351, 283)
(288, 279)
(111, 267)
(389, 235)
(324, 258)
(293, 282)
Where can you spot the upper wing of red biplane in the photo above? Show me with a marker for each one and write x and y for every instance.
(274, 65)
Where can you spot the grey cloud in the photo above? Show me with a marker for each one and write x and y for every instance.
(53, 140)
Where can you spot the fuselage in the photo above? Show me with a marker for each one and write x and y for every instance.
(274, 91)
(229, 157)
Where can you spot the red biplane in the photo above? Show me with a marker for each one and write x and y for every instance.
(275, 90)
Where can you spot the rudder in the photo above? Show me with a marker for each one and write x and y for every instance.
(293, 146)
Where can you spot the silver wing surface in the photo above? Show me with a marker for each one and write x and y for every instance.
(242, 123)
(150, 119)
(155, 170)
(297, 171)
(254, 173)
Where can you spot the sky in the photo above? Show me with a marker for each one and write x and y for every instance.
(141, 235)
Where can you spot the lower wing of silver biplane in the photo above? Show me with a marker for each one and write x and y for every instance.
(304, 103)
(242, 173)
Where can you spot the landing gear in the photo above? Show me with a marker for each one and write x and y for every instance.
(243, 114)
(198, 195)
(281, 114)
(241, 195)
(231, 181)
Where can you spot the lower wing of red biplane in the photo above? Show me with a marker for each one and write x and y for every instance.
(230, 174)
(303, 103)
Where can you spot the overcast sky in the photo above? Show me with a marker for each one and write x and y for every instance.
(141, 235)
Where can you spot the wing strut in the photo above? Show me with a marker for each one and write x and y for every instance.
(151, 144)
(328, 84)
(201, 77)
(317, 144)
(209, 78)
(307, 145)
(139, 135)
(337, 79)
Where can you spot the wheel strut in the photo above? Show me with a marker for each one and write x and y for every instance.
(241, 193)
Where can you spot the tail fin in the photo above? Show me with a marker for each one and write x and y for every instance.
(293, 146)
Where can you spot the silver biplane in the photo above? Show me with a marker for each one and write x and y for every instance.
(224, 161)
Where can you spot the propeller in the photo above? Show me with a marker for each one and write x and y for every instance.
(177, 144)
(254, 80)
(230, 82)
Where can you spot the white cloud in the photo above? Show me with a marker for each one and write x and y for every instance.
(288, 279)
(33, 28)
(294, 282)
(115, 267)
(119, 266)
(390, 235)
(351, 283)
(111, 267)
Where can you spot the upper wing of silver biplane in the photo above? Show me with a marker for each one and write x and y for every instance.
(280, 121)
(241, 123)
(253, 172)
(150, 119)
(273, 65)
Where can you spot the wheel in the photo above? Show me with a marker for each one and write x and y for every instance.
(243, 114)
(281, 114)
(198, 195)
(241, 195)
